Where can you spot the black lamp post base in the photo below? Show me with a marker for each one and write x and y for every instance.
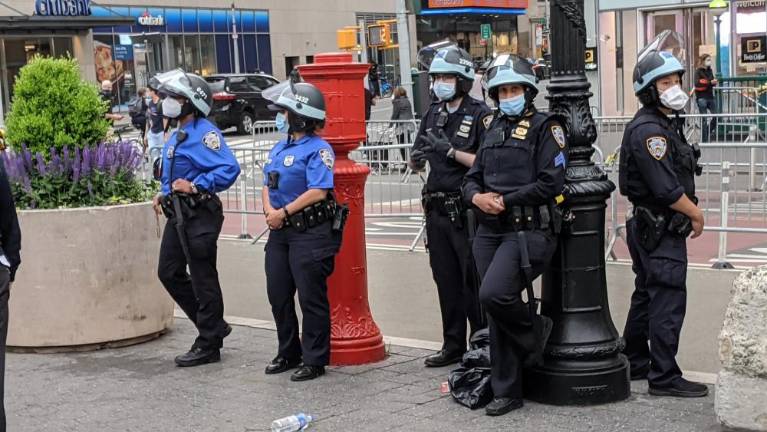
(575, 382)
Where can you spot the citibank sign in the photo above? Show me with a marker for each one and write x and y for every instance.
(62, 7)
(149, 20)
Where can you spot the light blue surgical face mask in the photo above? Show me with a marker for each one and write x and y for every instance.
(281, 122)
(444, 90)
(512, 106)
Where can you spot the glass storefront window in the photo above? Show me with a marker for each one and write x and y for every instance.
(183, 40)
(192, 54)
(207, 55)
(176, 51)
(62, 46)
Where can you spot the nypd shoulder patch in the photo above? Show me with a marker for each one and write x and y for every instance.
(212, 140)
(657, 146)
(559, 135)
(327, 158)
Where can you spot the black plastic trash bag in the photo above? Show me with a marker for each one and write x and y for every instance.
(470, 387)
(470, 383)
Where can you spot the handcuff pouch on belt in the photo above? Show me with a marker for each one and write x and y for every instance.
(448, 204)
(319, 213)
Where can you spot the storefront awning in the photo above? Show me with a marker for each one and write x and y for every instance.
(21, 24)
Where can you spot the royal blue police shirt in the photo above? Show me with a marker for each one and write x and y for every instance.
(203, 158)
(301, 165)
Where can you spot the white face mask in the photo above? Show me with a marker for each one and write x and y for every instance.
(171, 108)
(674, 98)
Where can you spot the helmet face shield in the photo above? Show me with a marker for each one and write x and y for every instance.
(447, 58)
(510, 69)
(665, 55)
(178, 83)
(294, 97)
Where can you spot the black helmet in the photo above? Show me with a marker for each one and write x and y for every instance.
(662, 57)
(192, 87)
(303, 100)
(511, 69)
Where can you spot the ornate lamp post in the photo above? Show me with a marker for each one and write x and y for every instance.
(583, 361)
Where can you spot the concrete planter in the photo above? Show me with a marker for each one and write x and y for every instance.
(88, 279)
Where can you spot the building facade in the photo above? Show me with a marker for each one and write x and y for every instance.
(625, 26)
(128, 41)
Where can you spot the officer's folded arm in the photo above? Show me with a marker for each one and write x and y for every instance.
(685, 206)
(473, 194)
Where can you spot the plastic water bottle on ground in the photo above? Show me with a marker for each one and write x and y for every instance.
(291, 424)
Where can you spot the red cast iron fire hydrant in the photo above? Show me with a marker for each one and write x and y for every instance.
(355, 337)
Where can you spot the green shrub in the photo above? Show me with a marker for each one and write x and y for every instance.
(53, 107)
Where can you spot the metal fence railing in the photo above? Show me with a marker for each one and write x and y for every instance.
(732, 190)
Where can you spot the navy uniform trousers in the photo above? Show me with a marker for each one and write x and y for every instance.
(657, 306)
(450, 259)
(301, 261)
(512, 332)
(198, 293)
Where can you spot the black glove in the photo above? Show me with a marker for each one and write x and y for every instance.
(439, 143)
(418, 158)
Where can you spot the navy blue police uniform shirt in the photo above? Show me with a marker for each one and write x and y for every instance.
(651, 153)
(524, 160)
(303, 164)
(203, 158)
(465, 129)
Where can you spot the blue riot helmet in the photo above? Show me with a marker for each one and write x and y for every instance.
(189, 86)
(304, 101)
(662, 57)
(449, 60)
(511, 69)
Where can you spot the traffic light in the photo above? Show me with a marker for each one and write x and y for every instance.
(347, 38)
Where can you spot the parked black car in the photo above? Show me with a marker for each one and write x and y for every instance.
(237, 100)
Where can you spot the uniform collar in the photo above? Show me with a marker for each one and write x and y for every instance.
(461, 107)
(303, 140)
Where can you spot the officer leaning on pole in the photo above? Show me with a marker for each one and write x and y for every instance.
(449, 135)
(657, 170)
(518, 173)
(306, 225)
(196, 164)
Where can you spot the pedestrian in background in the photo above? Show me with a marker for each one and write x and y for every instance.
(155, 127)
(402, 112)
(704, 94)
(138, 112)
(10, 258)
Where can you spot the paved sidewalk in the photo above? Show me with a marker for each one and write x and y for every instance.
(139, 389)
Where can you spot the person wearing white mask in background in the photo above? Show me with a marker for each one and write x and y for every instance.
(704, 94)
(657, 173)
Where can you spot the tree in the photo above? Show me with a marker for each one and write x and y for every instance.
(53, 107)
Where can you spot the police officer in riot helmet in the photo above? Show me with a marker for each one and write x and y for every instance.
(449, 135)
(305, 226)
(196, 165)
(657, 170)
(516, 178)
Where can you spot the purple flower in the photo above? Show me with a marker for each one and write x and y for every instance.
(41, 164)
